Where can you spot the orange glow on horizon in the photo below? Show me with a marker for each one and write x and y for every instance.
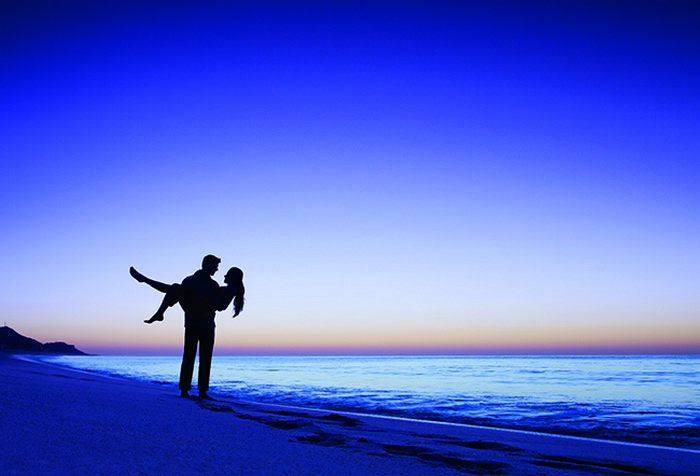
(590, 349)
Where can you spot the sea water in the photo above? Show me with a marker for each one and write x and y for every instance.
(644, 399)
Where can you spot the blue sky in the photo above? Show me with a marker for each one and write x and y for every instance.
(502, 176)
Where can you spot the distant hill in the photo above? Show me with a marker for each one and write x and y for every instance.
(10, 340)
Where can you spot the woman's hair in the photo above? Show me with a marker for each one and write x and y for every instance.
(237, 275)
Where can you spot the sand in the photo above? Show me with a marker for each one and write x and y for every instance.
(55, 421)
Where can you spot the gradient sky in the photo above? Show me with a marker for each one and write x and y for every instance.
(401, 177)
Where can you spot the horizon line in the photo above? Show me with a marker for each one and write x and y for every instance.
(301, 351)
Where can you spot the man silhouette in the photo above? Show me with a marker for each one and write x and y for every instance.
(199, 327)
(200, 297)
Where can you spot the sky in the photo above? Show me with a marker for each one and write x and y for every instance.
(392, 177)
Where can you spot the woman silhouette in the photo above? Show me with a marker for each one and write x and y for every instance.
(191, 299)
(200, 297)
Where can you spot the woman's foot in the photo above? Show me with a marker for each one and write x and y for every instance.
(156, 317)
(136, 275)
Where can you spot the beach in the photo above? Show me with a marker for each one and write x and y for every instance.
(56, 421)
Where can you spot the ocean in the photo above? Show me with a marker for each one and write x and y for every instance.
(642, 399)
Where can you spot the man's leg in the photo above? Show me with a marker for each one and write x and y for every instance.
(206, 350)
(188, 357)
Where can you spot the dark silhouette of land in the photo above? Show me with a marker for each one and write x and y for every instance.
(12, 341)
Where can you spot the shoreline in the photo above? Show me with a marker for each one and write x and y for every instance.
(594, 424)
(50, 413)
(283, 407)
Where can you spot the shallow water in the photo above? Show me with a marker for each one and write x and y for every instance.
(647, 399)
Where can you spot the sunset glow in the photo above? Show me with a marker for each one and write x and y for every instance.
(402, 178)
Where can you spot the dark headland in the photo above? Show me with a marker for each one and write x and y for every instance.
(12, 341)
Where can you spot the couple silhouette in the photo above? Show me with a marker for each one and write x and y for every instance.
(200, 297)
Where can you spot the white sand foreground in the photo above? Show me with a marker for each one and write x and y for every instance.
(55, 421)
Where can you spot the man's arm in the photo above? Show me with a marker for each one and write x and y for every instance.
(223, 298)
(206, 288)
(220, 297)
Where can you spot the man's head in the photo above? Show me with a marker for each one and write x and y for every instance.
(210, 264)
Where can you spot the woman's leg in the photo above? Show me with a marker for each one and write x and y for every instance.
(157, 285)
(172, 297)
